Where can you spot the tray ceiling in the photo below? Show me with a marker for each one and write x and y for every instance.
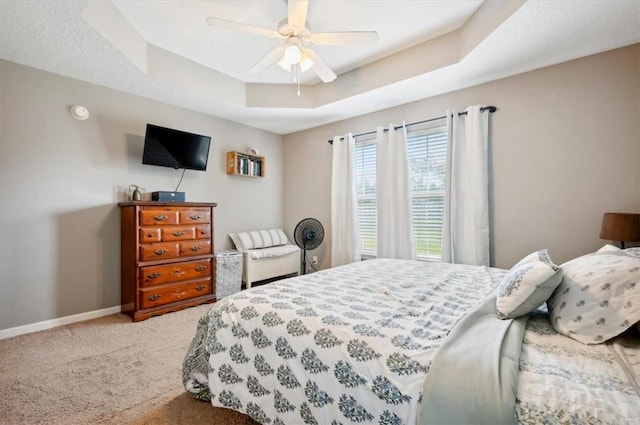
(165, 50)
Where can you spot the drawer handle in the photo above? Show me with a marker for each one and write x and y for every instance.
(150, 235)
(154, 275)
(161, 217)
(154, 297)
(178, 233)
(177, 272)
(160, 251)
(194, 217)
(200, 288)
(201, 268)
(196, 248)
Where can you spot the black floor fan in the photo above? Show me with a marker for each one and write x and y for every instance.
(308, 235)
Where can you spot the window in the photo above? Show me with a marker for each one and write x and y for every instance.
(427, 156)
(365, 153)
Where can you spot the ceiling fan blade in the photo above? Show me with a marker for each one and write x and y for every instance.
(267, 61)
(238, 26)
(345, 37)
(297, 12)
(320, 68)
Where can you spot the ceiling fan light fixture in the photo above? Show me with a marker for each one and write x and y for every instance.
(293, 54)
(284, 64)
(305, 63)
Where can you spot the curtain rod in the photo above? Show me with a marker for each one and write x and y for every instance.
(491, 109)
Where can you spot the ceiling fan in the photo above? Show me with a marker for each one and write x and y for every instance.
(293, 53)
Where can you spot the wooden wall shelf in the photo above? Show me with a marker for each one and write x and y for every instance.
(243, 164)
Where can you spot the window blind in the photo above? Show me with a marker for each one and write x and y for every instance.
(365, 163)
(427, 151)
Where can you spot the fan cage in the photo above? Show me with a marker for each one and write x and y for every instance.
(308, 235)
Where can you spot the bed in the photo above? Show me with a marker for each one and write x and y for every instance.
(406, 342)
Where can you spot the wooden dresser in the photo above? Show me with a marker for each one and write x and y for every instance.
(167, 256)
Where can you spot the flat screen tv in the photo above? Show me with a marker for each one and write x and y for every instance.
(167, 147)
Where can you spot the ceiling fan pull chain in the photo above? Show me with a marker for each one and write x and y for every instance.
(297, 70)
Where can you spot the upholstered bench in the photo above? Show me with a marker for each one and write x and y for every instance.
(266, 254)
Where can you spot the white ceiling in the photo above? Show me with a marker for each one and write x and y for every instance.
(164, 50)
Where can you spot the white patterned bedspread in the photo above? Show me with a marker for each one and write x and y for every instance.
(562, 381)
(353, 345)
(346, 345)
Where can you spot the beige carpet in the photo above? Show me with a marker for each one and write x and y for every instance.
(105, 371)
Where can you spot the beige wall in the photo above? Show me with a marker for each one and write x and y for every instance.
(60, 180)
(565, 149)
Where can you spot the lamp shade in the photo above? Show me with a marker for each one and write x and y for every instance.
(624, 227)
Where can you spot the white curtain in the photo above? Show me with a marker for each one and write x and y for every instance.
(345, 239)
(466, 209)
(395, 228)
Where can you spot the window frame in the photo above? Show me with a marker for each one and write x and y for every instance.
(436, 130)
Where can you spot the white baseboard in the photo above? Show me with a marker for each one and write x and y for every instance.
(48, 324)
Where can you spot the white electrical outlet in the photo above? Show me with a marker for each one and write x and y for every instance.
(314, 259)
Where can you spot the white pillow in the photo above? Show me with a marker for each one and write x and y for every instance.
(259, 239)
(527, 285)
(635, 251)
(609, 248)
(598, 297)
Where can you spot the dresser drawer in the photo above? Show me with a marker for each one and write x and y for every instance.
(176, 272)
(183, 233)
(194, 215)
(158, 217)
(150, 234)
(199, 247)
(161, 295)
(172, 233)
(159, 251)
(203, 232)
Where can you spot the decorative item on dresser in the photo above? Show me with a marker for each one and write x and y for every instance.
(167, 260)
(623, 227)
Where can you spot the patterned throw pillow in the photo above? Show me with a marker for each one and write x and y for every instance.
(527, 285)
(259, 239)
(598, 297)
